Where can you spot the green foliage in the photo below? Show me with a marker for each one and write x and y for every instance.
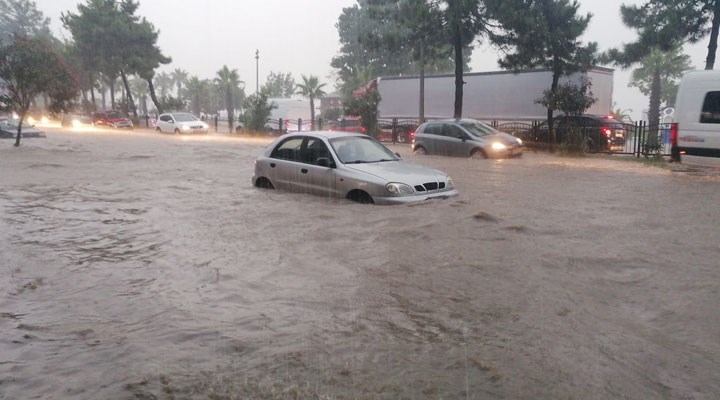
(228, 81)
(170, 103)
(29, 68)
(366, 107)
(111, 40)
(179, 77)
(279, 85)
(384, 37)
(257, 112)
(332, 114)
(570, 97)
(23, 18)
(660, 24)
(312, 89)
(669, 65)
(574, 143)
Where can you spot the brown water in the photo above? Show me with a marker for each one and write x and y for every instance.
(136, 265)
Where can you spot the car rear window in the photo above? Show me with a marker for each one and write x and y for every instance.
(711, 109)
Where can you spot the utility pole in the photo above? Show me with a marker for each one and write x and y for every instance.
(257, 72)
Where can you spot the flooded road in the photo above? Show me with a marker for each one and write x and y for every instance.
(142, 266)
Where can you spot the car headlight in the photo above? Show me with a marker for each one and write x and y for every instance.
(185, 127)
(519, 141)
(449, 183)
(399, 189)
(497, 146)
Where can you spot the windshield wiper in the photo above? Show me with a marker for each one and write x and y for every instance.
(356, 162)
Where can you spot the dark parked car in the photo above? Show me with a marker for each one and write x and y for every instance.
(602, 133)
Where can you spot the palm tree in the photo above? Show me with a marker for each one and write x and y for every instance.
(164, 82)
(656, 77)
(140, 88)
(227, 81)
(195, 88)
(179, 77)
(311, 88)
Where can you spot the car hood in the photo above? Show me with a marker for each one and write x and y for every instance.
(400, 171)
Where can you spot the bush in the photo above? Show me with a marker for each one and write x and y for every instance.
(574, 143)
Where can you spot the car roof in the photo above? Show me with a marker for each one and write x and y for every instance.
(325, 134)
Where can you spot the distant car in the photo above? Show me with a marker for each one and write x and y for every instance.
(8, 130)
(349, 124)
(112, 119)
(465, 138)
(180, 123)
(347, 165)
(76, 120)
(602, 133)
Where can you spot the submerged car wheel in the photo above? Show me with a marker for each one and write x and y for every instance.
(420, 150)
(158, 129)
(177, 131)
(264, 183)
(361, 197)
(478, 154)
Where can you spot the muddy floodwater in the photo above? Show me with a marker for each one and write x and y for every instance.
(136, 265)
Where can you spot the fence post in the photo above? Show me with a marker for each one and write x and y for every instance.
(281, 125)
(394, 130)
(299, 124)
(216, 123)
(319, 123)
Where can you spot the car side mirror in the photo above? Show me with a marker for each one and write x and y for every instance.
(398, 155)
(324, 162)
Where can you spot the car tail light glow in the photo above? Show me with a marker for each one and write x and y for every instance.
(607, 132)
(674, 134)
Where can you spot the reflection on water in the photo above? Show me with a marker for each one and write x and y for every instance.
(145, 266)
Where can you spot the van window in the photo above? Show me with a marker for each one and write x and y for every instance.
(711, 109)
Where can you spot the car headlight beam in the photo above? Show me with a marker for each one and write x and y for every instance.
(497, 146)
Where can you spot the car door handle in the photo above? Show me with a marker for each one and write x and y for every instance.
(304, 170)
(272, 165)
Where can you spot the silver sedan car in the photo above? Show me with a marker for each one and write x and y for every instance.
(347, 165)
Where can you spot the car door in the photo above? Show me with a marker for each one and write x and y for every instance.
(284, 164)
(317, 174)
(165, 123)
(432, 134)
(456, 141)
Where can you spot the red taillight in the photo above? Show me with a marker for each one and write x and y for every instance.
(363, 130)
(674, 134)
(607, 132)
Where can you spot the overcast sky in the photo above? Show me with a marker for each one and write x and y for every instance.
(300, 37)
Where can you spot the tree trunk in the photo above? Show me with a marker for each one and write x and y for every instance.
(551, 109)
(112, 93)
(459, 82)
(131, 103)
(229, 105)
(654, 109)
(312, 114)
(153, 96)
(712, 46)
(23, 112)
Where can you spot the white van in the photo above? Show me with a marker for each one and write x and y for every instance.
(696, 131)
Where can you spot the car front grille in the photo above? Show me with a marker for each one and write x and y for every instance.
(430, 186)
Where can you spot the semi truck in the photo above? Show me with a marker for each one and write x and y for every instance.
(488, 96)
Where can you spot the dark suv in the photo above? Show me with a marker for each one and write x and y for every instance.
(603, 133)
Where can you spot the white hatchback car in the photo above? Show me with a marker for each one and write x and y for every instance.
(180, 123)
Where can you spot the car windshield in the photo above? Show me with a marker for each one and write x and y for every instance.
(184, 117)
(361, 149)
(113, 115)
(478, 128)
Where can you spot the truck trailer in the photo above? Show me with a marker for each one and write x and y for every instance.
(488, 96)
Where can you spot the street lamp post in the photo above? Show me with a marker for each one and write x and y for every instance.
(257, 72)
